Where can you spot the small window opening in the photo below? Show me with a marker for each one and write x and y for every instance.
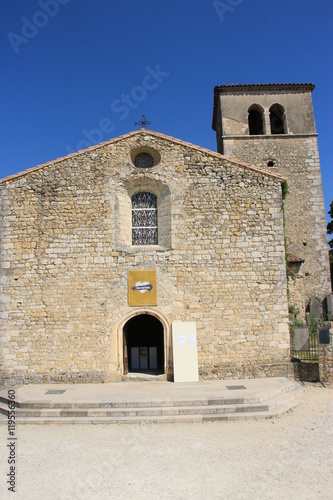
(144, 160)
(277, 119)
(256, 122)
(144, 219)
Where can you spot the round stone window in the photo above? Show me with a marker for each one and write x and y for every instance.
(144, 160)
(144, 157)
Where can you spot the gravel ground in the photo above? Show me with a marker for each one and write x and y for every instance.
(288, 457)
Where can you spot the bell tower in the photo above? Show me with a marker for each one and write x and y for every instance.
(272, 126)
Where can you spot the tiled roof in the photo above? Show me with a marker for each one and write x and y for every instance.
(293, 259)
(263, 86)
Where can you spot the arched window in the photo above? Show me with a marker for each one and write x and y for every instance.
(256, 120)
(277, 119)
(144, 219)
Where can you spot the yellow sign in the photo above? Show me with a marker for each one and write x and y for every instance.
(142, 288)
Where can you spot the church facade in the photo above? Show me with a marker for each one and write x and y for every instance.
(104, 250)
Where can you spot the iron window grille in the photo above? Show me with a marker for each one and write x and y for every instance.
(144, 219)
(144, 160)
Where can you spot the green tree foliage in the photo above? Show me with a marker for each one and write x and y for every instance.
(330, 243)
(330, 225)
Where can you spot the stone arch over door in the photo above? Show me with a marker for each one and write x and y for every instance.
(151, 319)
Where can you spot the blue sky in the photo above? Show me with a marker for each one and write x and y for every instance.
(73, 70)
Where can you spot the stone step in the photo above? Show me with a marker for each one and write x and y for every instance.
(193, 410)
(161, 402)
(130, 404)
(158, 419)
(131, 412)
(140, 377)
(232, 400)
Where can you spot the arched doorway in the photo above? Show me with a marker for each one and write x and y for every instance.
(143, 345)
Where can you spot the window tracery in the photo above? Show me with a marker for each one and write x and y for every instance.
(144, 219)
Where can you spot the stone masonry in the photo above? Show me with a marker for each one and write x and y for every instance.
(294, 155)
(66, 250)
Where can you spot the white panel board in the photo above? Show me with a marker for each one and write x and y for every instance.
(185, 351)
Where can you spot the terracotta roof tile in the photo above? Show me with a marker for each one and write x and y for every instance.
(293, 259)
(263, 86)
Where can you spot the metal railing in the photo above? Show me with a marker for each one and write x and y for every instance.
(310, 354)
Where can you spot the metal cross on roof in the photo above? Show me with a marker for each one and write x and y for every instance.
(143, 122)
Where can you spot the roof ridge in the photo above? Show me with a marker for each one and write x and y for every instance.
(70, 155)
(285, 86)
(137, 132)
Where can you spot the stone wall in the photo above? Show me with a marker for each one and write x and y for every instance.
(66, 253)
(297, 296)
(297, 160)
(297, 103)
(306, 371)
(294, 155)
